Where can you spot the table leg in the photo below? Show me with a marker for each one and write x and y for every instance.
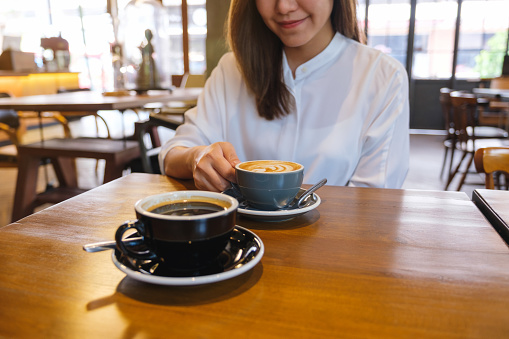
(65, 170)
(26, 183)
(112, 171)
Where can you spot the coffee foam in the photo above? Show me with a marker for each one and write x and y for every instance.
(270, 166)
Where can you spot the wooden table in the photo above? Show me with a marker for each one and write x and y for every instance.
(94, 101)
(29, 155)
(494, 204)
(90, 101)
(366, 263)
(504, 93)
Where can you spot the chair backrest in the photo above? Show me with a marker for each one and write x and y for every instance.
(464, 115)
(445, 102)
(9, 124)
(188, 80)
(10, 118)
(9, 121)
(500, 82)
(490, 160)
(195, 80)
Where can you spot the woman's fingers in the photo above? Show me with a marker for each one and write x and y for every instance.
(213, 168)
(229, 153)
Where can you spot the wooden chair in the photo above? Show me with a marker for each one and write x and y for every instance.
(464, 117)
(80, 114)
(500, 82)
(9, 125)
(169, 115)
(494, 163)
(450, 142)
(180, 107)
(149, 152)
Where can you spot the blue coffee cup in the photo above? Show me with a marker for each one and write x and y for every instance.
(269, 184)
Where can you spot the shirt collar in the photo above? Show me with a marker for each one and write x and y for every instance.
(328, 55)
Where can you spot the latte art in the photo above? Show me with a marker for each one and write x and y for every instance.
(270, 166)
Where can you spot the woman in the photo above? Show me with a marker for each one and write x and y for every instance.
(300, 87)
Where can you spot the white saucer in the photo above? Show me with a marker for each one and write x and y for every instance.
(245, 249)
(280, 215)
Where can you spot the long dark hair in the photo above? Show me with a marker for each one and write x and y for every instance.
(259, 52)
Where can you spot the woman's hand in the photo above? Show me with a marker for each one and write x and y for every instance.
(214, 166)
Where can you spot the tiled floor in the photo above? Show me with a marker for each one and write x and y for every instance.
(425, 163)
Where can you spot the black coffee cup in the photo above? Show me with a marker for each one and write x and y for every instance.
(185, 230)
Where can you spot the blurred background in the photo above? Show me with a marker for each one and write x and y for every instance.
(459, 44)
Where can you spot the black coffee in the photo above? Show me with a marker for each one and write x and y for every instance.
(188, 208)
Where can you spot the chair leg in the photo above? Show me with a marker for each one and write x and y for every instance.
(488, 181)
(451, 159)
(456, 170)
(154, 137)
(444, 162)
(140, 130)
(466, 172)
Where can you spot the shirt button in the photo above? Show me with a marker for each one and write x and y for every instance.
(304, 70)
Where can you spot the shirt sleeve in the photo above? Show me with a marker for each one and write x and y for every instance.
(384, 160)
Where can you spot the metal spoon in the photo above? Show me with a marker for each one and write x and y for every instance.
(110, 245)
(298, 202)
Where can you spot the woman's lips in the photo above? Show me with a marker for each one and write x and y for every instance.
(290, 23)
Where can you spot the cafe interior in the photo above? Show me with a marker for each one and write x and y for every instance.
(90, 90)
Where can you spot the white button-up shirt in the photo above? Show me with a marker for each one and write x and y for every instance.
(350, 123)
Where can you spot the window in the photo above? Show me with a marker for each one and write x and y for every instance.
(482, 38)
(83, 24)
(433, 48)
(197, 28)
(188, 47)
(88, 28)
(388, 24)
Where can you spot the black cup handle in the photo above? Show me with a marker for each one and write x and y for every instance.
(138, 225)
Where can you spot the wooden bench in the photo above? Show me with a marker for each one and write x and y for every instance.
(61, 152)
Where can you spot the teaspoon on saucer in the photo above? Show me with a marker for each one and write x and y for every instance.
(111, 245)
(299, 201)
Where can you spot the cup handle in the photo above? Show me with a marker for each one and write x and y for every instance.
(234, 191)
(236, 188)
(138, 225)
